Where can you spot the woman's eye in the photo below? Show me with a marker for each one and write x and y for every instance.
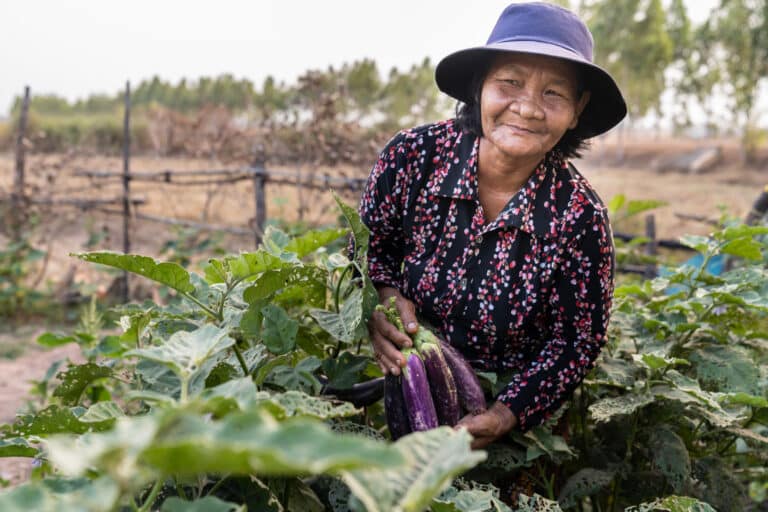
(512, 81)
(552, 92)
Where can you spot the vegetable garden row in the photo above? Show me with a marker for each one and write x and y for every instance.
(218, 400)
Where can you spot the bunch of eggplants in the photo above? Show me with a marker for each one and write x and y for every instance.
(436, 387)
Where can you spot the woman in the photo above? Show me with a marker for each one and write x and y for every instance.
(481, 226)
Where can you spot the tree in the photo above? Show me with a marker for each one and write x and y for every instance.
(736, 41)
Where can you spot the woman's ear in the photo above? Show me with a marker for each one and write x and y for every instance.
(580, 105)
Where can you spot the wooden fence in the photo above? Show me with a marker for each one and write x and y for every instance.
(126, 204)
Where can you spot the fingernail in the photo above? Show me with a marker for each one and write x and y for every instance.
(394, 370)
(408, 343)
(412, 325)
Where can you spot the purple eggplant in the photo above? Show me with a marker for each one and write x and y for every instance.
(416, 394)
(468, 387)
(394, 407)
(441, 383)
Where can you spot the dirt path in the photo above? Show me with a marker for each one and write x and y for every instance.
(15, 383)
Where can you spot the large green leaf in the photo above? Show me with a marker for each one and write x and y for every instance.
(672, 504)
(607, 408)
(669, 456)
(344, 325)
(300, 377)
(54, 419)
(51, 340)
(254, 442)
(295, 403)
(75, 379)
(169, 274)
(59, 495)
(433, 459)
(185, 352)
(279, 329)
(207, 504)
(101, 412)
(313, 240)
(536, 503)
(583, 483)
(346, 370)
(726, 369)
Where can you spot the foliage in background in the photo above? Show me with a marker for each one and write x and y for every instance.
(217, 400)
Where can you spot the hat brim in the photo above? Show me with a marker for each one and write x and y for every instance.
(606, 107)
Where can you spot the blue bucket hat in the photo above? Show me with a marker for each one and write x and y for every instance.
(541, 29)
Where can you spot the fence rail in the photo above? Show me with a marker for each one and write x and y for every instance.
(256, 173)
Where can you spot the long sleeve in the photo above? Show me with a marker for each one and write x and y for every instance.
(579, 308)
(381, 211)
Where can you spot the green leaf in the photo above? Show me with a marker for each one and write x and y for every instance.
(475, 500)
(60, 495)
(102, 411)
(251, 264)
(295, 403)
(312, 240)
(76, 378)
(745, 399)
(616, 203)
(616, 372)
(638, 206)
(265, 285)
(185, 352)
(672, 504)
(669, 456)
(16, 447)
(541, 441)
(701, 244)
(726, 369)
(207, 504)
(360, 231)
(54, 419)
(433, 459)
(743, 248)
(169, 274)
(583, 483)
(51, 340)
(346, 370)
(536, 503)
(279, 330)
(657, 361)
(607, 408)
(345, 324)
(300, 377)
(236, 394)
(215, 272)
(254, 442)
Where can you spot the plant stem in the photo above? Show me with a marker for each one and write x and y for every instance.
(217, 485)
(240, 360)
(147, 506)
(181, 492)
(337, 292)
(213, 314)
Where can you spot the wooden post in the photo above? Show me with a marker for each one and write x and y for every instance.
(127, 184)
(259, 200)
(650, 247)
(18, 198)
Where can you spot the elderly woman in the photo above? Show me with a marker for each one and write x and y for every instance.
(482, 227)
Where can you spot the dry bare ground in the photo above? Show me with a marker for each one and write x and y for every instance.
(728, 186)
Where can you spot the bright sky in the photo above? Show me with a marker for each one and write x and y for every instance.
(74, 48)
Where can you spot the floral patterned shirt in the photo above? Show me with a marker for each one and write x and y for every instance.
(529, 293)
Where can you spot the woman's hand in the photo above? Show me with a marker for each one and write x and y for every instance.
(386, 338)
(489, 426)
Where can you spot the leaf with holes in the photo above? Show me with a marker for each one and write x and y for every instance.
(75, 379)
(669, 456)
(608, 408)
(185, 352)
(433, 458)
(279, 330)
(207, 504)
(583, 483)
(673, 504)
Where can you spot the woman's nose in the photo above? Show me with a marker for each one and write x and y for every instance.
(527, 108)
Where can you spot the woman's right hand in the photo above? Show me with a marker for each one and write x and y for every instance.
(387, 339)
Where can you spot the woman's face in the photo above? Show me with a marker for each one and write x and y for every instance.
(527, 103)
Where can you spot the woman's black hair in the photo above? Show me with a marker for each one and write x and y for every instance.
(570, 145)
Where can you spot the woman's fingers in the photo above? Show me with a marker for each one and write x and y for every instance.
(381, 325)
(387, 356)
(407, 311)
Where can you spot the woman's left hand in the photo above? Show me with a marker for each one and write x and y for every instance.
(488, 426)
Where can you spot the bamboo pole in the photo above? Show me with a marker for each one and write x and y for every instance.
(259, 201)
(18, 198)
(127, 184)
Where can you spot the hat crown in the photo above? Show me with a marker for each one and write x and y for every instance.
(544, 23)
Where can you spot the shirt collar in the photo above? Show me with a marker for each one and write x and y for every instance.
(532, 209)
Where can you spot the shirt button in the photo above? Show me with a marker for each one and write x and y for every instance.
(479, 239)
